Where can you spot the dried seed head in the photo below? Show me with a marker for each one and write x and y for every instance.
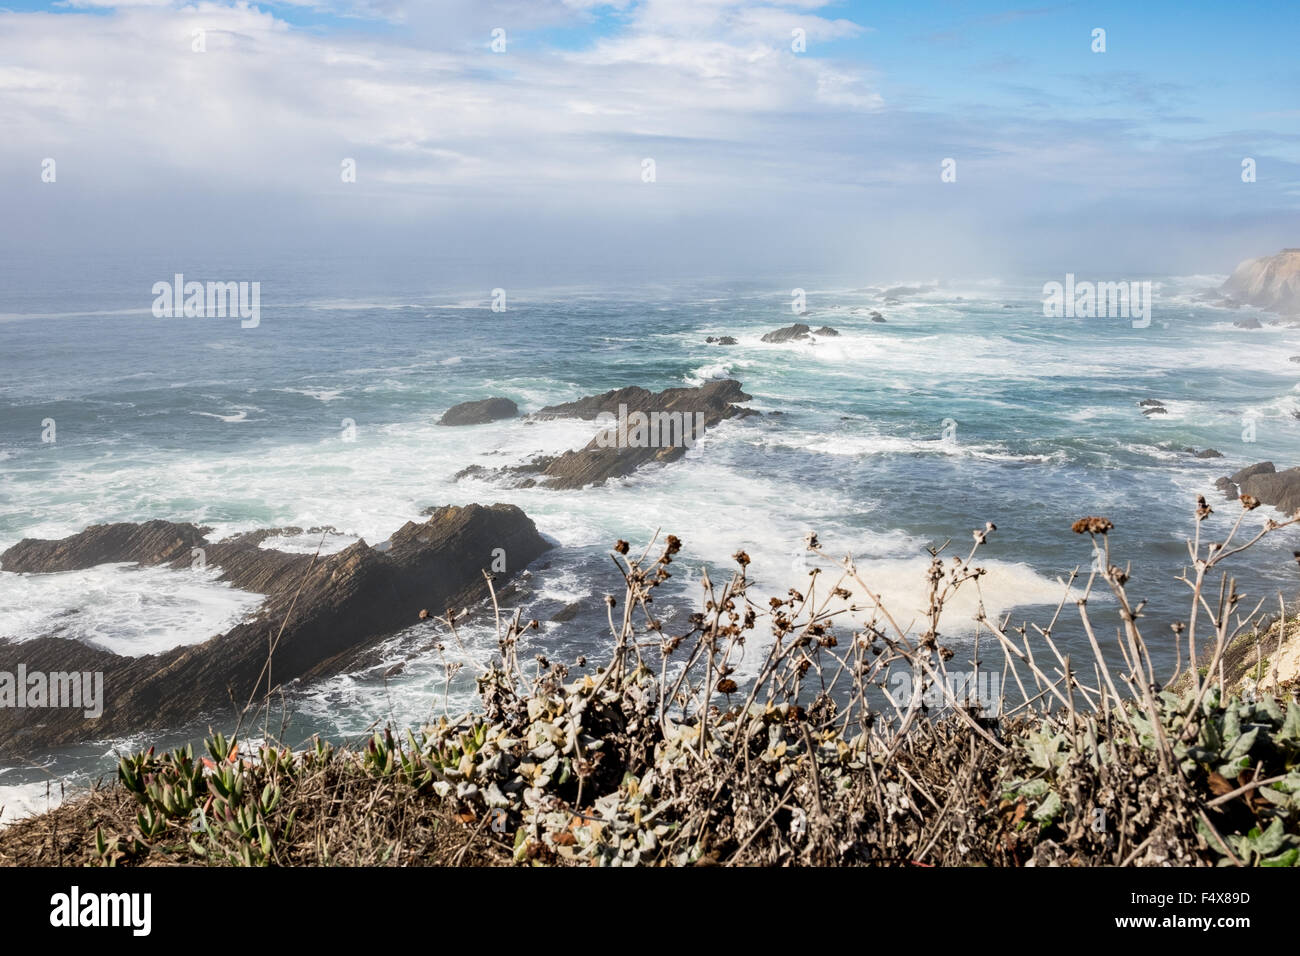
(621, 546)
(1092, 525)
(741, 558)
(1249, 502)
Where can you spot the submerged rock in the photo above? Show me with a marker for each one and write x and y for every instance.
(721, 340)
(319, 613)
(1248, 323)
(480, 412)
(827, 331)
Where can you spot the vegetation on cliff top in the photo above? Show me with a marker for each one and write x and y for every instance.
(665, 755)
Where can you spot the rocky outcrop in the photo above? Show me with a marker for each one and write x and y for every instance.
(721, 340)
(788, 334)
(797, 332)
(480, 412)
(153, 542)
(876, 316)
(319, 613)
(1270, 282)
(1280, 489)
(1248, 323)
(643, 427)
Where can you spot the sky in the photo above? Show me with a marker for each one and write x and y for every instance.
(768, 159)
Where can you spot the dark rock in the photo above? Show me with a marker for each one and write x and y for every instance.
(827, 331)
(153, 542)
(1155, 410)
(1250, 471)
(682, 413)
(876, 316)
(721, 340)
(1151, 402)
(1228, 487)
(1248, 323)
(319, 614)
(1281, 489)
(790, 332)
(1209, 453)
(1295, 358)
(480, 412)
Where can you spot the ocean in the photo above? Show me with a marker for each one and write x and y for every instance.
(966, 405)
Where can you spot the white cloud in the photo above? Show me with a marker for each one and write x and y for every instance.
(270, 105)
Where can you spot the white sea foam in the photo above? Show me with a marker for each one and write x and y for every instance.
(309, 543)
(320, 394)
(716, 370)
(122, 608)
(21, 800)
(901, 586)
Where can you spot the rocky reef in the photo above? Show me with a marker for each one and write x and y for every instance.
(643, 427)
(319, 613)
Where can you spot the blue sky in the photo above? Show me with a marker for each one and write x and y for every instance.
(1063, 155)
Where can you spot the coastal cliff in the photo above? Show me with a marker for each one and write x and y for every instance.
(1269, 282)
